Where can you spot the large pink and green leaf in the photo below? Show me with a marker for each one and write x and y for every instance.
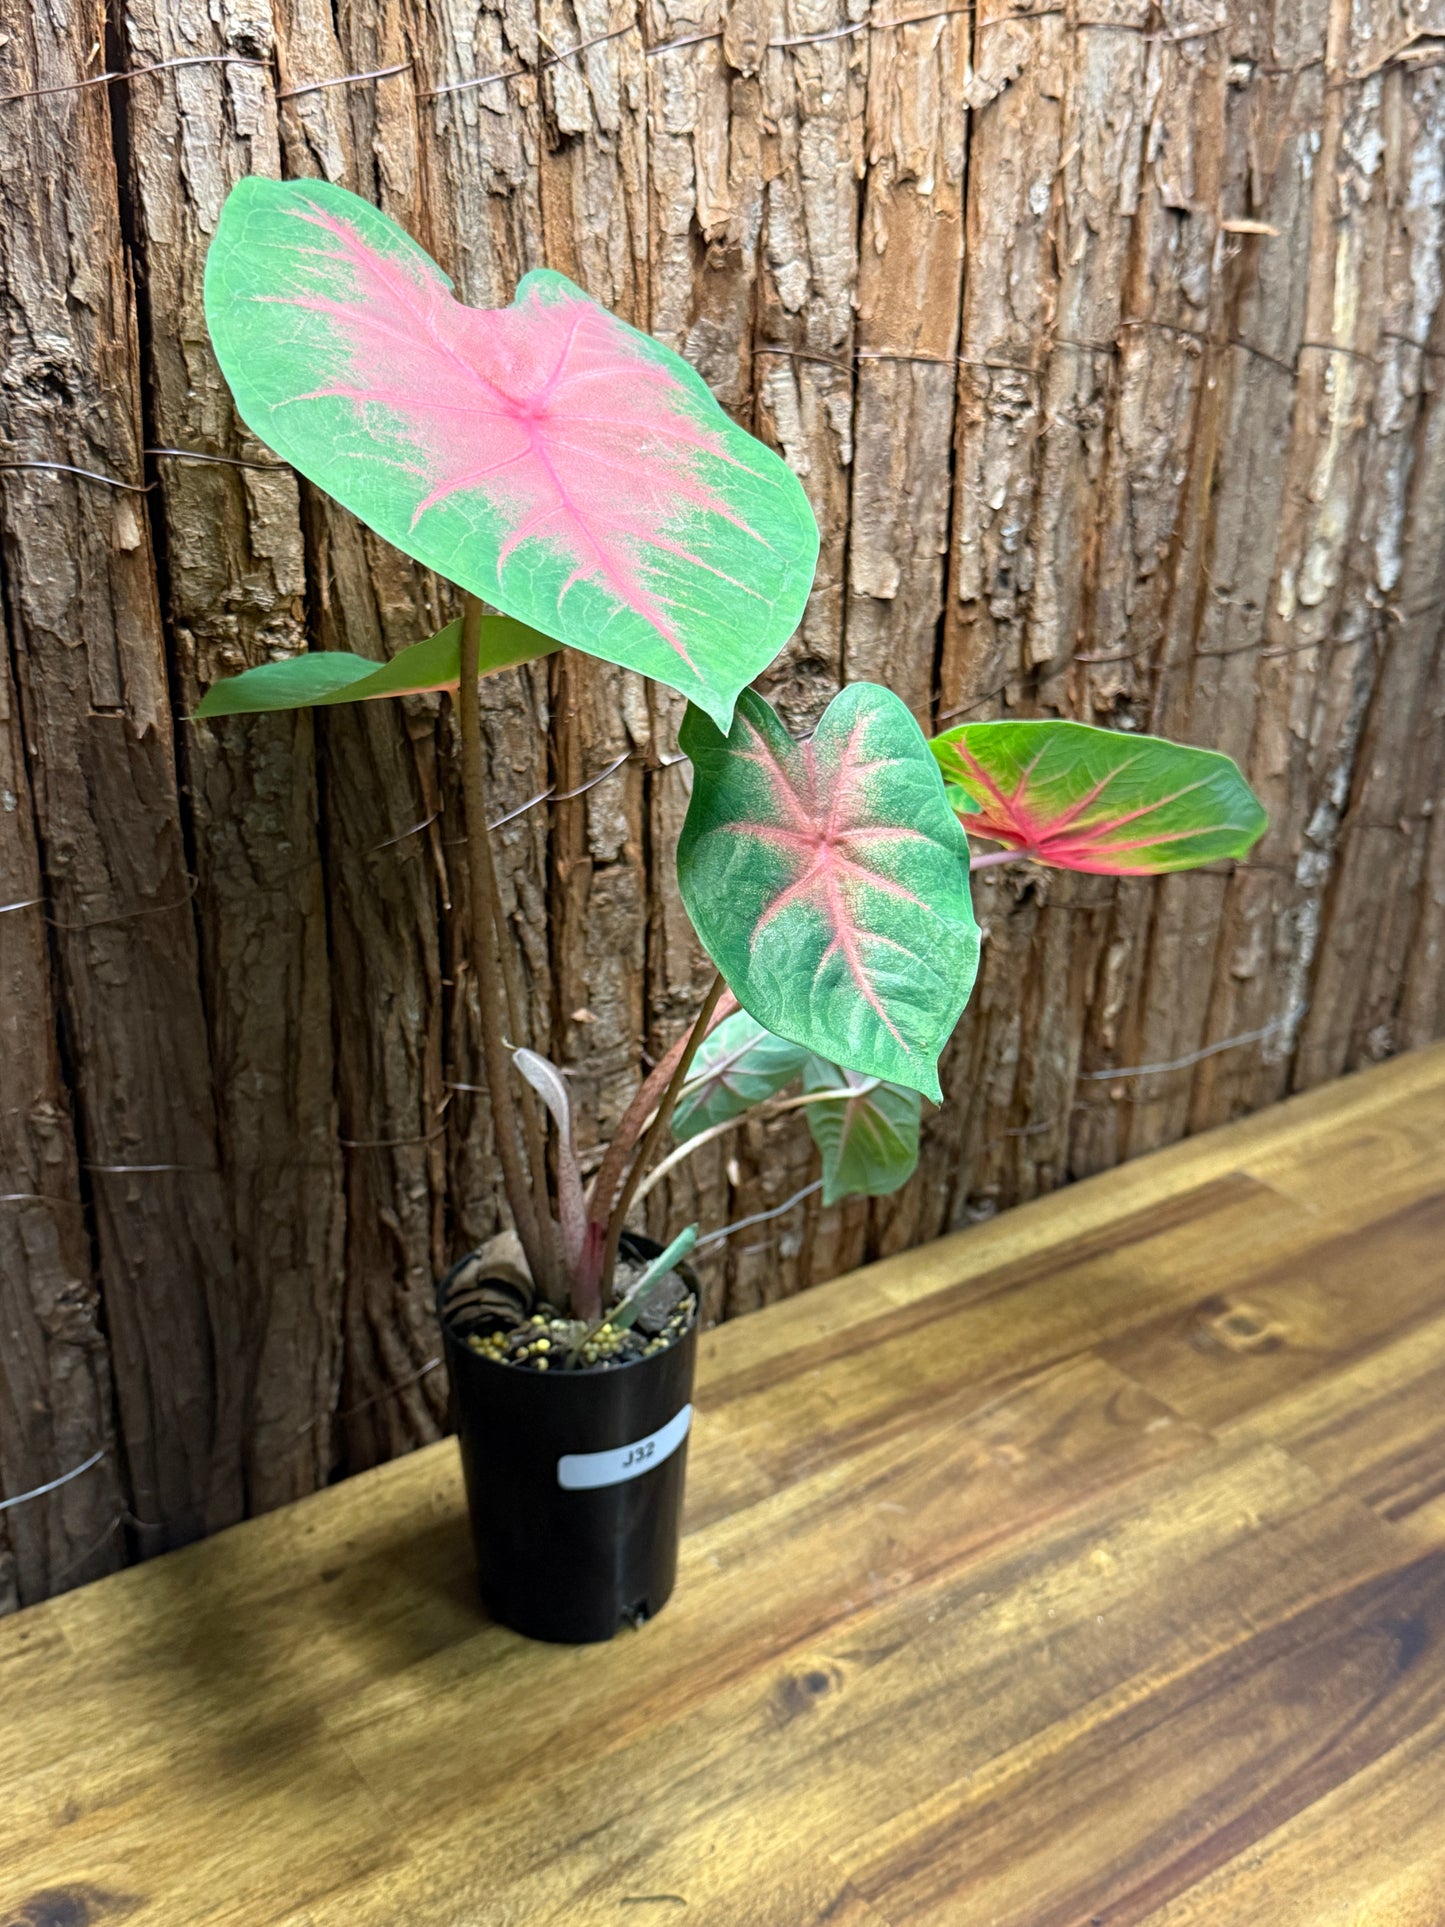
(828, 880)
(556, 462)
(867, 1135)
(328, 676)
(1081, 798)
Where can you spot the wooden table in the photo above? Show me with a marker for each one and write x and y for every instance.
(1085, 1568)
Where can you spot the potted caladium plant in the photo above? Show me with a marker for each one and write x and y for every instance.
(579, 484)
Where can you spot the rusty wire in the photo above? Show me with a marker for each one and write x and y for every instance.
(134, 73)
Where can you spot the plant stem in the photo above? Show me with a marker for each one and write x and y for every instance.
(701, 1024)
(987, 861)
(517, 1180)
(634, 1120)
(532, 1128)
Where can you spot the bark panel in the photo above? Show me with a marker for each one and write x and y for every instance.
(235, 586)
(95, 708)
(55, 1389)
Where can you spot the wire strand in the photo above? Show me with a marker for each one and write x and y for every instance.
(90, 475)
(760, 1217)
(1197, 1056)
(135, 73)
(344, 80)
(53, 1485)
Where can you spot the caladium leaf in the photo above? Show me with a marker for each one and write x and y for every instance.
(737, 1066)
(828, 881)
(329, 676)
(1081, 798)
(869, 1139)
(548, 457)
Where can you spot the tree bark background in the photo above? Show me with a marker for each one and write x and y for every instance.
(1108, 342)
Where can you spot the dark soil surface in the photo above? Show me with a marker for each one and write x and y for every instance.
(501, 1319)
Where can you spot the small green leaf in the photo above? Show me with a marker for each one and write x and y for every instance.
(1081, 798)
(329, 676)
(626, 1314)
(828, 881)
(326, 675)
(737, 1066)
(869, 1139)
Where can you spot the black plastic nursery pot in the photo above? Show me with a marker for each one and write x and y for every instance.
(574, 1481)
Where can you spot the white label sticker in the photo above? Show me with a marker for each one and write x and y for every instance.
(581, 1471)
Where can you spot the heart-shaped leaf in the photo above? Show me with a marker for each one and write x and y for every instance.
(828, 881)
(1081, 798)
(737, 1066)
(546, 456)
(869, 1138)
(329, 676)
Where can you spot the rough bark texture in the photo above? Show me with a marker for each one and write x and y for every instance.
(55, 1391)
(95, 712)
(1108, 344)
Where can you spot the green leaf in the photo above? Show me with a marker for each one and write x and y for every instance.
(869, 1139)
(336, 676)
(548, 457)
(626, 1314)
(828, 881)
(1081, 798)
(737, 1066)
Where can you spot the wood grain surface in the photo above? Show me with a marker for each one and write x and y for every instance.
(1084, 1569)
(1107, 342)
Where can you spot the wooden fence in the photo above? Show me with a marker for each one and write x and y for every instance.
(1107, 340)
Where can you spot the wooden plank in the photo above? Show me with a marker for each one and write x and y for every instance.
(1188, 478)
(403, 1562)
(1315, 629)
(1375, 1429)
(910, 278)
(782, 1883)
(991, 1332)
(1368, 1852)
(1392, 1154)
(1234, 1347)
(1015, 148)
(1147, 1803)
(393, 1633)
(124, 1834)
(921, 1684)
(813, 94)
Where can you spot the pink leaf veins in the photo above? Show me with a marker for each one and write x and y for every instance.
(548, 411)
(827, 848)
(1073, 839)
